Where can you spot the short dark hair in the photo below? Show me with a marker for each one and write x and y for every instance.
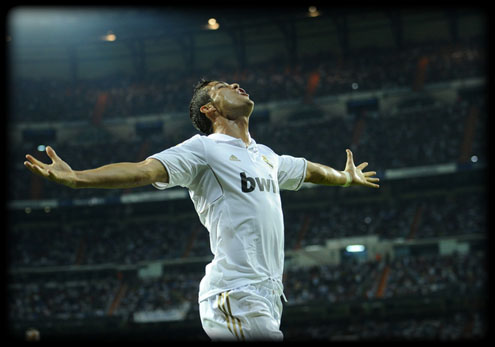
(200, 97)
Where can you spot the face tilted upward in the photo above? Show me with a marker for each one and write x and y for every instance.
(230, 100)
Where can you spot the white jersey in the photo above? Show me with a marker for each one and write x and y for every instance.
(236, 192)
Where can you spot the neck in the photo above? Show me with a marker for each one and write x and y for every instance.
(238, 128)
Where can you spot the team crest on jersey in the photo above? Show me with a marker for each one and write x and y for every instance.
(266, 161)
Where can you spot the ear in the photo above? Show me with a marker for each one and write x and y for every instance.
(208, 110)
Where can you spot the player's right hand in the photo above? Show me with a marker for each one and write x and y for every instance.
(58, 171)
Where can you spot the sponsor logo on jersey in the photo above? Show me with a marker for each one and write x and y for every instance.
(234, 158)
(248, 184)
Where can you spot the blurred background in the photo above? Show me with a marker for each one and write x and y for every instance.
(404, 88)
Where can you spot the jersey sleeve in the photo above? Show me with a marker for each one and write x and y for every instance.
(183, 162)
(291, 172)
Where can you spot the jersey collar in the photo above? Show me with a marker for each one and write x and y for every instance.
(233, 140)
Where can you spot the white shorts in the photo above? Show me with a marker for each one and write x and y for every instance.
(251, 312)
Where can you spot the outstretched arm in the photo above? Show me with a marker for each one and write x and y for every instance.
(111, 176)
(352, 175)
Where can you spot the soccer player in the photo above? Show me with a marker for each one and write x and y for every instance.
(235, 185)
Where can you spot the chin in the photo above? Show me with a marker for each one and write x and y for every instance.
(252, 107)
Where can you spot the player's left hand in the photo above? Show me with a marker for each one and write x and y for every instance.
(360, 178)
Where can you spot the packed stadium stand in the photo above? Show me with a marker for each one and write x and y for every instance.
(126, 264)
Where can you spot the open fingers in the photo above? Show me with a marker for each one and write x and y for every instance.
(51, 153)
(370, 182)
(350, 160)
(35, 161)
(362, 166)
(372, 185)
(369, 173)
(36, 169)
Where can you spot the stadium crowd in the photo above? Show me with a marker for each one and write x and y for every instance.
(60, 299)
(410, 276)
(439, 216)
(436, 140)
(133, 239)
(128, 241)
(51, 100)
(101, 242)
(460, 326)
